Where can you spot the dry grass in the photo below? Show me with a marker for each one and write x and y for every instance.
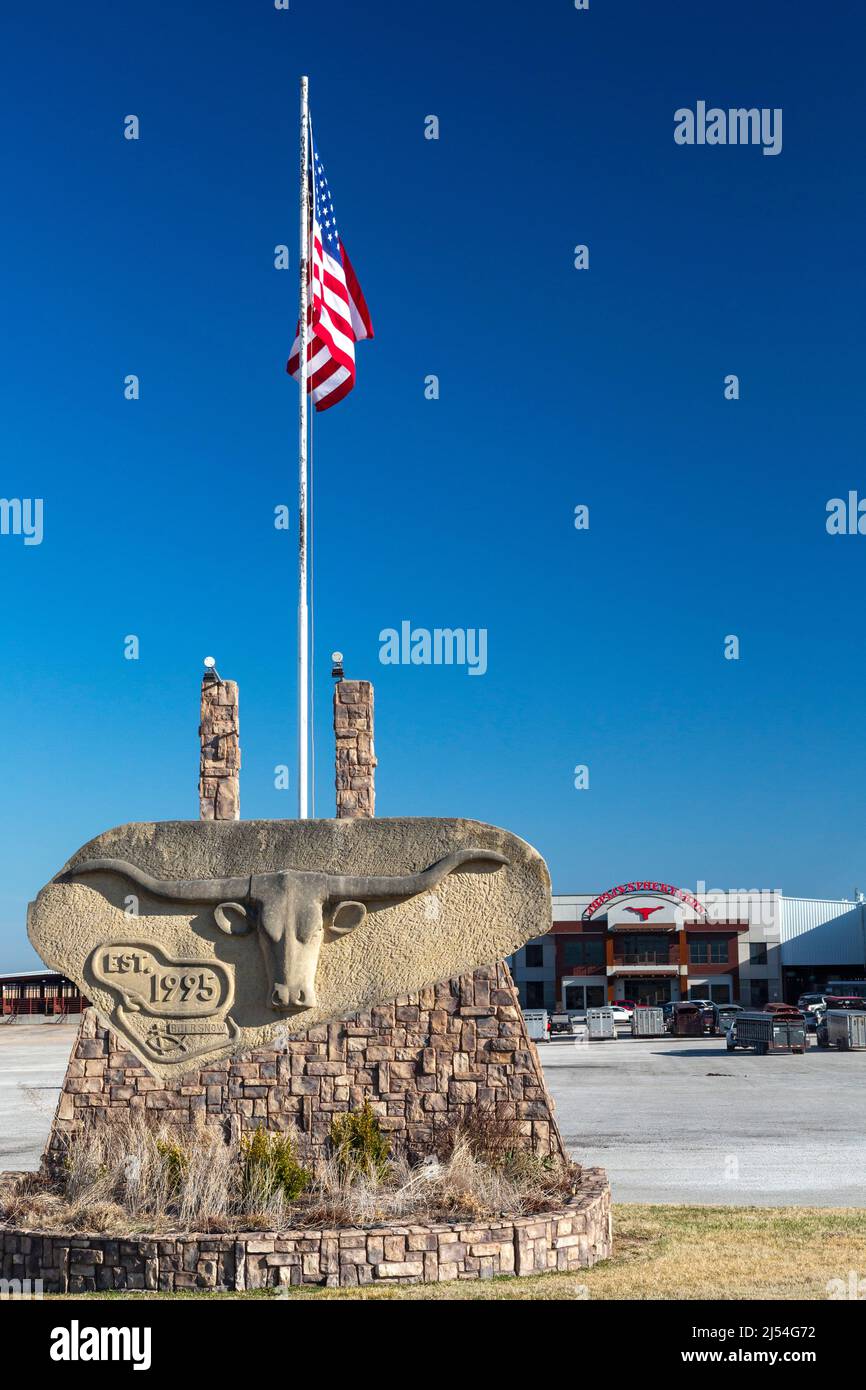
(132, 1176)
(142, 1177)
(459, 1187)
(666, 1252)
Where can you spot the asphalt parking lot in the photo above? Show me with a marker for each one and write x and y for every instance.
(672, 1120)
(684, 1120)
(33, 1059)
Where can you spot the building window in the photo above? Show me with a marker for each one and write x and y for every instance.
(757, 955)
(759, 993)
(711, 952)
(720, 994)
(579, 952)
(534, 956)
(534, 991)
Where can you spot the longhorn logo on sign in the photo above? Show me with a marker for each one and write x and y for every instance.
(644, 913)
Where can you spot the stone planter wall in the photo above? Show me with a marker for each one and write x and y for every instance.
(574, 1237)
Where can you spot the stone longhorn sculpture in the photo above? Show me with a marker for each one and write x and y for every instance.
(195, 940)
(291, 909)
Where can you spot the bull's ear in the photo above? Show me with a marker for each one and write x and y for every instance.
(347, 916)
(224, 922)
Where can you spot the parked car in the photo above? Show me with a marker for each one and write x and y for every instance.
(807, 1003)
(561, 1023)
(838, 1001)
(621, 1014)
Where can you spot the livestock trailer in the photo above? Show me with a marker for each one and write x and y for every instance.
(686, 1021)
(537, 1025)
(779, 1030)
(844, 1029)
(727, 1013)
(647, 1022)
(600, 1024)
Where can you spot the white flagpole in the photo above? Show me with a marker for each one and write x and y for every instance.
(303, 615)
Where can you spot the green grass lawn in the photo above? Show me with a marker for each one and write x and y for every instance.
(661, 1252)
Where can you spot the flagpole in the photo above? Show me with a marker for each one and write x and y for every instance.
(303, 614)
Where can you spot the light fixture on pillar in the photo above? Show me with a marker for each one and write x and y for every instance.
(210, 667)
(337, 665)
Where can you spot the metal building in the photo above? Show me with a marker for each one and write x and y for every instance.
(823, 939)
(651, 942)
(26, 992)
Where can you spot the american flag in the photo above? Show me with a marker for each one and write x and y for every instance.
(338, 316)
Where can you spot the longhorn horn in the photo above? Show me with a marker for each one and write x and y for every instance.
(189, 890)
(409, 885)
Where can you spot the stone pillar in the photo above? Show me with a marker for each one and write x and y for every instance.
(219, 780)
(356, 757)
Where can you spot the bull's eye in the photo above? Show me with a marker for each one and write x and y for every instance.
(225, 922)
(348, 916)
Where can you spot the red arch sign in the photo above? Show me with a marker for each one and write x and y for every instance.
(626, 890)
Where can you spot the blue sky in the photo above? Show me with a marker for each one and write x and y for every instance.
(558, 387)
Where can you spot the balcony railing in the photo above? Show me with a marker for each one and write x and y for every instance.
(663, 957)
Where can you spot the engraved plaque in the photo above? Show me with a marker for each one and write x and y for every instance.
(173, 1010)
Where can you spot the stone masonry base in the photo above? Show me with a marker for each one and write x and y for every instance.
(423, 1062)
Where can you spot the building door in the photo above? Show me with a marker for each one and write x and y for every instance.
(648, 991)
(579, 996)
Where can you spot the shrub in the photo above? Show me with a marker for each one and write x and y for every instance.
(175, 1162)
(359, 1145)
(487, 1135)
(271, 1169)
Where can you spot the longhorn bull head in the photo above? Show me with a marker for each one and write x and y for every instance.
(291, 908)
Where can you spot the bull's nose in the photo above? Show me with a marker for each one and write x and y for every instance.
(300, 998)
